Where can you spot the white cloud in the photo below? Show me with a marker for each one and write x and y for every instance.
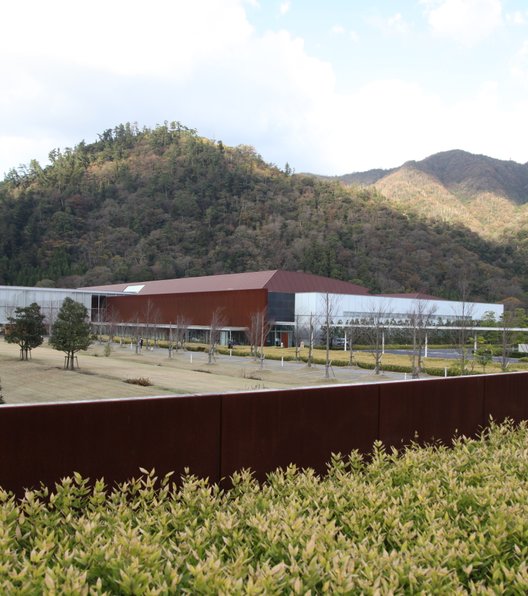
(168, 39)
(517, 17)
(466, 21)
(519, 67)
(341, 31)
(209, 69)
(388, 119)
(285, 7)
(14, 150)
(393, 25)
(397, 24)
(217, 76)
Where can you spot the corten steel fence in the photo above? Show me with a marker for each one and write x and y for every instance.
(215, 435)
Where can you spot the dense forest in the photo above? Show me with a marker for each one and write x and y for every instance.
(141, 204)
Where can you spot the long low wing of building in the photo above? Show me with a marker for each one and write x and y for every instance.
(50, 300)
(347, 309)
(286, 298)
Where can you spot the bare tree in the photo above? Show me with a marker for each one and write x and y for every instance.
(137, 331)
(311, 332)
(463, 324)
(151, 317)
(257, 332)
(112, 322)
(107, 319)
(329, 308)
(510, 318)
(301, 334)
(377, 322)
(350, 337)
(218, 320)
(420, 317)
(178, 333)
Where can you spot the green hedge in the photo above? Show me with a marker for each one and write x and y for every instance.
(431, 520)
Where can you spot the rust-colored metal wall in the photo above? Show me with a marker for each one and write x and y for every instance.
(214, 435)
(506, 396)
(263, 431)
(236, 307)
(109, 438)
(430, 410)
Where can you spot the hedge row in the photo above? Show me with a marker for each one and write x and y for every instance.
(428, 520)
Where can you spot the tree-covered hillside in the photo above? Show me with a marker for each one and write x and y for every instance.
(151, 204)
(486, 195)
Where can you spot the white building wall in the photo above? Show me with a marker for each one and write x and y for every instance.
(49, 299)
(345, 307)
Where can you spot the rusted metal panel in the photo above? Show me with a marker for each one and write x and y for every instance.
(430, 410)
(109, 439)
(506, 396)
(263, 431)
(236, 307)
(215, 435)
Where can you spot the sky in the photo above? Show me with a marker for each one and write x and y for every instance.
(328, 87)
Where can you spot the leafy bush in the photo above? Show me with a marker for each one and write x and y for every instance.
(426, 520)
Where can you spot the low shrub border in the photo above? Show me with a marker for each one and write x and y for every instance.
(430, 520)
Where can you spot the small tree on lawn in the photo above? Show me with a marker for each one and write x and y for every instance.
(257, 332)
(377, 323)
(26, 329)
(218, 320)
(71, 330)
(484, 353)
(329, 307)
(420, 317)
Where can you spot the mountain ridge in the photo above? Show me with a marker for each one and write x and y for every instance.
(457, 169)
(165, 202)
(488, 195)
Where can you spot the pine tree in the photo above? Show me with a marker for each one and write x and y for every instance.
(71, 330)
(26, 329)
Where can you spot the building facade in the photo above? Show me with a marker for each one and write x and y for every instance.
(290, 302)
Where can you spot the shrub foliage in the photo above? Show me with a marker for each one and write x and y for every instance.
(427, 520)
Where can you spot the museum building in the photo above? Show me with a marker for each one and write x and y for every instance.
(288, 299)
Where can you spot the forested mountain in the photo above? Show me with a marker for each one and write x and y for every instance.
(152, 204)
(489, 196)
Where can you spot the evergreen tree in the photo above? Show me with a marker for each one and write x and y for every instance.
(26, 329)
(71, 330)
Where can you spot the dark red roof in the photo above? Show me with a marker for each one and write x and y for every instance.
(291, 282)
(274, 281)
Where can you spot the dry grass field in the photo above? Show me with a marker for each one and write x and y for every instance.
(43, 378)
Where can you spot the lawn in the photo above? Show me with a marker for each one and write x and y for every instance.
(43, 378)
